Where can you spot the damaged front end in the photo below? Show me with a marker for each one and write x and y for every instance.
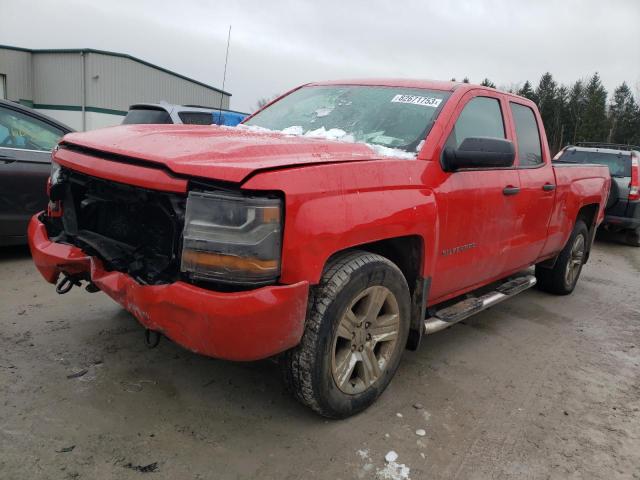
(200, 267)
(132, 230)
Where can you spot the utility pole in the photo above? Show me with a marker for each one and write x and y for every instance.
(224, 75)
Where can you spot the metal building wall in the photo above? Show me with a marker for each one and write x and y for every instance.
(57, 79)
(89, 89)
(17, 67)
(115, 83)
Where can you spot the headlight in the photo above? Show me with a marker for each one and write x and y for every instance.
(232, 239)
(55, 172)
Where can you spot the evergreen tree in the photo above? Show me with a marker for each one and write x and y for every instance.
(546, 98)
(594, 127)
(488, 83)
(579, 113)
(624, 117)
(576, 106)
(526, 91)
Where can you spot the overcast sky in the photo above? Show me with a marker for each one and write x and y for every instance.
(278, 44)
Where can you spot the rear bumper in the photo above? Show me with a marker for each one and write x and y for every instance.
(621, 222)
(235, 326)
(630, 219)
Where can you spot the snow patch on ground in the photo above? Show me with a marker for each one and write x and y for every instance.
(393, 470)
(363, 453)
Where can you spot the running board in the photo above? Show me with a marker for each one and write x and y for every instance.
(448, 316)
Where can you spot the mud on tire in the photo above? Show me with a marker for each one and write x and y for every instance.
(312, 372)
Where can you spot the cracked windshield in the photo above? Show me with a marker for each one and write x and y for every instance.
(396, 118)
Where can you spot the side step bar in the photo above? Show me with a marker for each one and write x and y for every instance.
(452, 314)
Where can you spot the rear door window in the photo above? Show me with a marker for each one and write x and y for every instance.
(619, 163)
(147, 116)
(196, 118)
(527, 135)
(481, 117)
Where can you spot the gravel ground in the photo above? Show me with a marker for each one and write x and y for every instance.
(537, 387)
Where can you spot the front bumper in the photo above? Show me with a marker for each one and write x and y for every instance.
(248, 325)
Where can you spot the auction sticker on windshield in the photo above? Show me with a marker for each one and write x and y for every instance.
(417, 100)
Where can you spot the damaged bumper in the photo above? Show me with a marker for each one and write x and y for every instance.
(247, 325)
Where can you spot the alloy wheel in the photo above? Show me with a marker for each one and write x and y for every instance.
(365, 339)
(576, 257)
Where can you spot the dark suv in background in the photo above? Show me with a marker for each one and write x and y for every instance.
(623, 207)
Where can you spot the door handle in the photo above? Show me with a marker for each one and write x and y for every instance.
(511, 190)
(548, 187)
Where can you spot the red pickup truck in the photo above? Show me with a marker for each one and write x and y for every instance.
(334, 229)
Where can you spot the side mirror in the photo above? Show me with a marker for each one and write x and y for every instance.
(479, 152)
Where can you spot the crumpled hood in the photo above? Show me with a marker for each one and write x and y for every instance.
(223, 153)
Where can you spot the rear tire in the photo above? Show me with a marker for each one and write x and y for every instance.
(633, 237)
(562, 278)
(355, 333)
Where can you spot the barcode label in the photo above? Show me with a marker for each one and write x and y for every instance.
(417, 100)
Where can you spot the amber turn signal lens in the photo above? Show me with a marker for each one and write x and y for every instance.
(228, 262)
(271, 214)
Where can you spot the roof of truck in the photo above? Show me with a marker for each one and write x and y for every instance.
(446, 86)
(398, 82)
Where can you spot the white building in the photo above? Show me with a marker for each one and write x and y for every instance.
(89, 89)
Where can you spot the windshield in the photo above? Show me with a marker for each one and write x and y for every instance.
(147, 116)
(619, 163)
(392, 117)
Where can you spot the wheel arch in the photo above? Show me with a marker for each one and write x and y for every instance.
(588, 214)
(408, 254)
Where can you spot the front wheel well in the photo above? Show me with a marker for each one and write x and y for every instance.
(405, 252)
(408, 254)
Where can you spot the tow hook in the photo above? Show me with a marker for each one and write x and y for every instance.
(152, 338)
(67, 283)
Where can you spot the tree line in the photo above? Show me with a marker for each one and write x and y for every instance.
(582, 111)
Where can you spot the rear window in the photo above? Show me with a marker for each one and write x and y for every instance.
(148, 116)
(619, 164)
(196, 118)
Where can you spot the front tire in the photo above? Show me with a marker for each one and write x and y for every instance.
(356, 331)
(563, 277)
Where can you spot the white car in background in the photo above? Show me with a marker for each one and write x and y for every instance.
(163, 113)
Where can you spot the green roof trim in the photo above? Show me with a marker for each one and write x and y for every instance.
(113, 54)
(78, 108)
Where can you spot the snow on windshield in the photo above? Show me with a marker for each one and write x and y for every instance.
(391, 120)
(335, 134)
